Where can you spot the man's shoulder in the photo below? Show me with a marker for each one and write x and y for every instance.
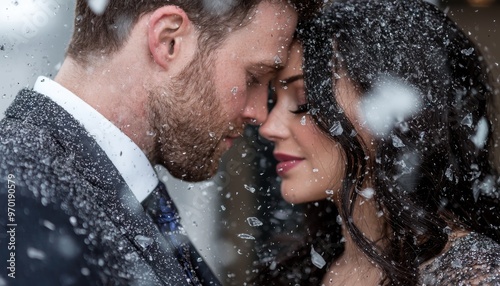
(31, 151)
(21, 133)
(54, 239)
(62, 228)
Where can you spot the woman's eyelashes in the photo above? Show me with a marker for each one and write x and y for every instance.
(303, 108)
(300, 97)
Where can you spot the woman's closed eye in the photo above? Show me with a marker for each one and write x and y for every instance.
(294, 87)
(303, 108)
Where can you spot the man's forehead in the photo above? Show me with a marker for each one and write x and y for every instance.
(265, 41)
(272, 64)
(280, 12)
(278, 58)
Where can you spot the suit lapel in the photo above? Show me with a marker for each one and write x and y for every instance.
(115, 197)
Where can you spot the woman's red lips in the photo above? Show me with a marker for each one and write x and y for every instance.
(286, 162)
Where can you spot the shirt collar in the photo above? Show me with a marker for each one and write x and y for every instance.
(125, 155)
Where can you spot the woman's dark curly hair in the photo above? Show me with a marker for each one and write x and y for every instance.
(448, 180)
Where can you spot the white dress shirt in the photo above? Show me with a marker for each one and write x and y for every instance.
(125, 155)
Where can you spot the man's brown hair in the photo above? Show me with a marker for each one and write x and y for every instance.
(104, 34)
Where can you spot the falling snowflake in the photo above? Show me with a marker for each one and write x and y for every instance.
(479, 139)
(317, 259)
(387, 104)
(367, 193)
(246, 236)
(98, 6)
(249, 188)
(336, 129)
(253, 221)
(303, 120)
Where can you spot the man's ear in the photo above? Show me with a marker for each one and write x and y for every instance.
(167, 26)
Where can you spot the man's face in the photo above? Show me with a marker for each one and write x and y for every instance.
(211, 100)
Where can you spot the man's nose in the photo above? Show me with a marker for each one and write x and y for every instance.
(255, 111)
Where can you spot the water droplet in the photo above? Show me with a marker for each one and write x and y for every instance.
(317, 259)
(85, 271)
(245, 236)
(49, 225)
(47, 161)
(467, 120)
(249, 188)
(277, 60)
(367, 193)
(143, 241)
(303, 120)
(468, 51)
(253, 221)
(339, 220)
(132, 256)
(336, 129)
(234, 90)
(34, 253)
(479, 139)
(449, 173)
(396, 142)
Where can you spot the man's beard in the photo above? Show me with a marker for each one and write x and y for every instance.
(188, 123)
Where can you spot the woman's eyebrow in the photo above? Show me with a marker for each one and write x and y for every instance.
(291, 79)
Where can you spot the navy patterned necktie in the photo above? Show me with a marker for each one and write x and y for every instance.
(164, 213)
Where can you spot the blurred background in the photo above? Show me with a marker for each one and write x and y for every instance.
(230, 217)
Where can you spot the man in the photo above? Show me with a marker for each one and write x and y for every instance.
(147, 82)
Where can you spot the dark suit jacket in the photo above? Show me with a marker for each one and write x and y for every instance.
(67, 216)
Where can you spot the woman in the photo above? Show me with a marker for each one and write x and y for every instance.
(385, 134)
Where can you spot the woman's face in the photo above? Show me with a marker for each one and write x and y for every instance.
(311, 165)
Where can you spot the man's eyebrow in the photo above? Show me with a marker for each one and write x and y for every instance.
(291, 79)
(268, 66)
